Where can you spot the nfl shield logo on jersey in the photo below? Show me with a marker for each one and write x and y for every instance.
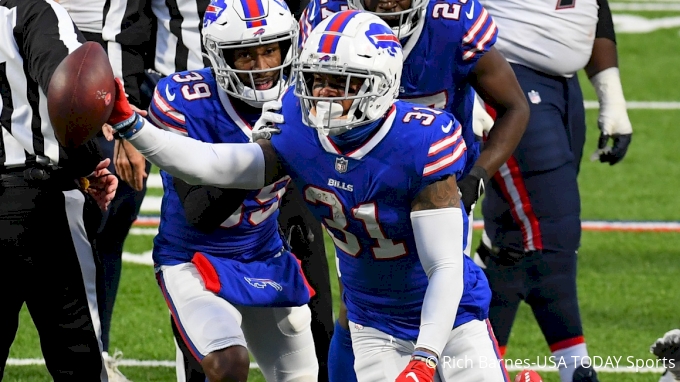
(534, 97)
(341, 164)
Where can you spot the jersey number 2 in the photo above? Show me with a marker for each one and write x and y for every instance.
(367, 213)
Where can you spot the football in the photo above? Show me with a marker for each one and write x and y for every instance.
(81, 95)
(528, 376)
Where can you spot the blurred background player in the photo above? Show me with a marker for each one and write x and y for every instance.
(127, 56)
(667, 349)
(46, 221)
(178, 47)
(349, 98)
(532, 226)
(208, 231)
(448, 54)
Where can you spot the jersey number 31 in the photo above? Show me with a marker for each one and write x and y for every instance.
(367, 213)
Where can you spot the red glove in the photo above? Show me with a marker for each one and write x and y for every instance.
(417, 371)
(121, 107)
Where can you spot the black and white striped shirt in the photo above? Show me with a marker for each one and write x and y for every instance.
(35, 36)
(178, 45)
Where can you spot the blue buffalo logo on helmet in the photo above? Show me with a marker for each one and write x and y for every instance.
(259, 32)
(213, 11)
(383, 38)
(324, 58)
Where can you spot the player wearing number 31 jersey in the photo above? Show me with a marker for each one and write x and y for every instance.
(381, 175)
(449, 54)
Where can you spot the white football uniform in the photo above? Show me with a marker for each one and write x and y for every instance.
(552, 36)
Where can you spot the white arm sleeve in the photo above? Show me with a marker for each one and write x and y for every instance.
(439, 240)
(613, 117)
(227, 165)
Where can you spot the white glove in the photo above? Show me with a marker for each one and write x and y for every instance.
(481, 120)
(266, 124)
(613, 120)
(668, 347)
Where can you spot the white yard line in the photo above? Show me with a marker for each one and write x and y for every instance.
(641, 105)
(660, 6)
(655, 1)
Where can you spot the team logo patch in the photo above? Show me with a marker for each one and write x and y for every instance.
(325, 58)
(259, 32)
(383, 38)
(213, 12)
(534, 97)
(262, 283)
(341, 164)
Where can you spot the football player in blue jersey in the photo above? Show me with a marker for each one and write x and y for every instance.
(221, 263)
(381, 175)
(448, 54)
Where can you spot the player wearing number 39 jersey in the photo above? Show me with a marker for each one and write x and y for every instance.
(222, 265)
(381, 175)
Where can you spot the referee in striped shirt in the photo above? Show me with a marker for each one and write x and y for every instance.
(45, 217)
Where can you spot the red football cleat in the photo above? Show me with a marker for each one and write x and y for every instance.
(528, 376)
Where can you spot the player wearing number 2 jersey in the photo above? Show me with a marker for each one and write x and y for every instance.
(382, 176)
(221, 262)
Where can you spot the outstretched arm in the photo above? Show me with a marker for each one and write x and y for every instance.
(226, 165)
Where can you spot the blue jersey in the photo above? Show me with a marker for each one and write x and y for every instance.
(439, 56)
(190, 104)
(363, 198)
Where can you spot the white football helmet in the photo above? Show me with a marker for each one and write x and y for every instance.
(235, 24)
(403, 23)
(354, 44)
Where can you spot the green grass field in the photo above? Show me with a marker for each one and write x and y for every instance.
(627, 281)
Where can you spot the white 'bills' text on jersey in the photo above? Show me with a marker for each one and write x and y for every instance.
(552, 36)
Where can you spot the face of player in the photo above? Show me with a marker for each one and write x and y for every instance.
(387, 6)
(259, 58)
(332, 86)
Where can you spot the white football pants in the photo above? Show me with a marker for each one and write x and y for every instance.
(280, 339)
(470, 355)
